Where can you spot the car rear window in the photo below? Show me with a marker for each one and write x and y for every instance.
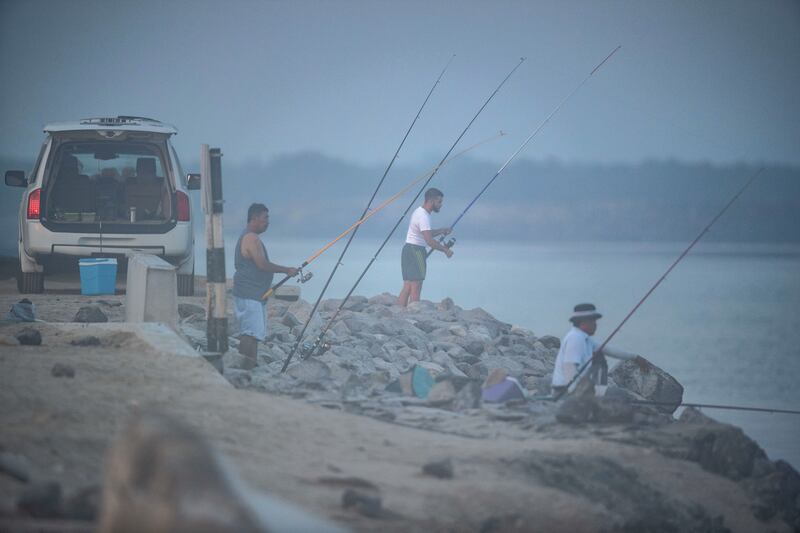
(121, 182)
(118, 160)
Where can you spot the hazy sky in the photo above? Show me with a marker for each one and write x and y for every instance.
(711, 80)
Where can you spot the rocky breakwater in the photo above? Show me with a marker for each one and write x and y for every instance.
(374, 343)
(377, 347)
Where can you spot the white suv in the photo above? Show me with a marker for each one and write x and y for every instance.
(105, 187)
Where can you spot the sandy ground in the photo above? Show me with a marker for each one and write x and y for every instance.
(303, 453)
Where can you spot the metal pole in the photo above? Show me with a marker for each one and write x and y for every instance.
(211, 180)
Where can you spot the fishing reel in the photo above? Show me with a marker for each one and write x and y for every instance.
(303, 277)
(450, 242)
(318, 347)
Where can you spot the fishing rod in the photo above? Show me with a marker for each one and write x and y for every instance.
(322, 333)
(717, 406)
(366, 209)
(657, 283)
(388, 201)
(369, 204)
(319, 298)
(451, 241)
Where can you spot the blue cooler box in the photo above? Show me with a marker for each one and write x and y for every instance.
(98, 275)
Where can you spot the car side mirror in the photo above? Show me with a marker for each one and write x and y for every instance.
(193, 182)
(16, 178)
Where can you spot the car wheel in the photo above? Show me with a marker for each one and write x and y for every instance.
(30, 282)
(186, 284)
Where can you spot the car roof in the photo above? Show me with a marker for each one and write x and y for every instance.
(122, 122)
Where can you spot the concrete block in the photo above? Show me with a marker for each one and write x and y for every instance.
(151, 294)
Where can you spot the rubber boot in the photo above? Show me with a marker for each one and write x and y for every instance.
(248, 347)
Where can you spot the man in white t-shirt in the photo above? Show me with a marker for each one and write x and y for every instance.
(419, 236)
(578, 348)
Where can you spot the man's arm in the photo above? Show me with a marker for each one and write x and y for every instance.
(441, 231)
(616, 353)
(252, 249)
(428, 236)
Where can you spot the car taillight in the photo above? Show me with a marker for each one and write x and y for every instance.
(183, 206)
(34, 204)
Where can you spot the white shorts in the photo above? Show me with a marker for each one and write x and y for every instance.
(252, 317)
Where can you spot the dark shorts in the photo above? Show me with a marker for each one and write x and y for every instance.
(414, 262)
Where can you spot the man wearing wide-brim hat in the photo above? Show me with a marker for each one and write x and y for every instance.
(578, 347)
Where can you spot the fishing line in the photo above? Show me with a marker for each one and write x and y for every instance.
(657, 283)
(524, 144)
(718, 406)
(397, 224)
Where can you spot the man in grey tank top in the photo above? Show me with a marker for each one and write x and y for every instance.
(252, 279)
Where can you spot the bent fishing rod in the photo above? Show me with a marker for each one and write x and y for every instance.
(657, 283)
(451, 241)
(369, 203)
(373, 212)
(399, 220)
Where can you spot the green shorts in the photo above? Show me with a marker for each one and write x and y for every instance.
(414, 262)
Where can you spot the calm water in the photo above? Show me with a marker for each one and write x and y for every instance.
(724, 322)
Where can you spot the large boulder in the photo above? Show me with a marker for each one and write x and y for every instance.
(650, 382)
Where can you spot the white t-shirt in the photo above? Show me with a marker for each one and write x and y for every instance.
(420, 221)
(576, 349)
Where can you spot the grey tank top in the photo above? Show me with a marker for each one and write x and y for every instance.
(249, 281)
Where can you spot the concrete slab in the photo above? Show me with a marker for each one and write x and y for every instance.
(157, 336)
(152, 290)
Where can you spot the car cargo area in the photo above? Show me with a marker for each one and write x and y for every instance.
(121, 183)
